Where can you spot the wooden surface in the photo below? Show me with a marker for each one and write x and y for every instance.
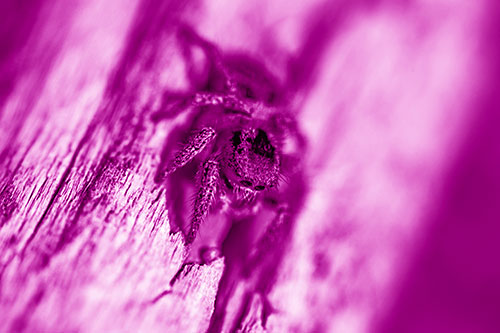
(85, 238)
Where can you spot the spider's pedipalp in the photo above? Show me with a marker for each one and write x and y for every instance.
(209, 177)
(195, 145)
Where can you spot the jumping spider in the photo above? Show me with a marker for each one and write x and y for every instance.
(243, 140)
(241, 159)
(244, 160)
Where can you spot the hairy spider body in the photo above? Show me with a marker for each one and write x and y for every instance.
(242, 161)
(241, 145)
(242, 164)
(238, 143)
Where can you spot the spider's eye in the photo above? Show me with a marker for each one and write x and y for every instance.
(259, 187)
(236, 139)
(262, 146)
(245, 183)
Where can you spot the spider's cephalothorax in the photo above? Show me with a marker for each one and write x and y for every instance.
(251, 161)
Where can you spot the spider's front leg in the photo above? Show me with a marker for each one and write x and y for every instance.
(228, 101)
(269, 248)
(195, 145)
(272, 236)
(209, 178)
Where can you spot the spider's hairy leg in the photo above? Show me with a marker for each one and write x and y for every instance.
(190, 38)
(195, 145)
(209, 177)
(228, 101)
(270, 238)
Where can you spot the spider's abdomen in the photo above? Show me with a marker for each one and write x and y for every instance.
(254, 81)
